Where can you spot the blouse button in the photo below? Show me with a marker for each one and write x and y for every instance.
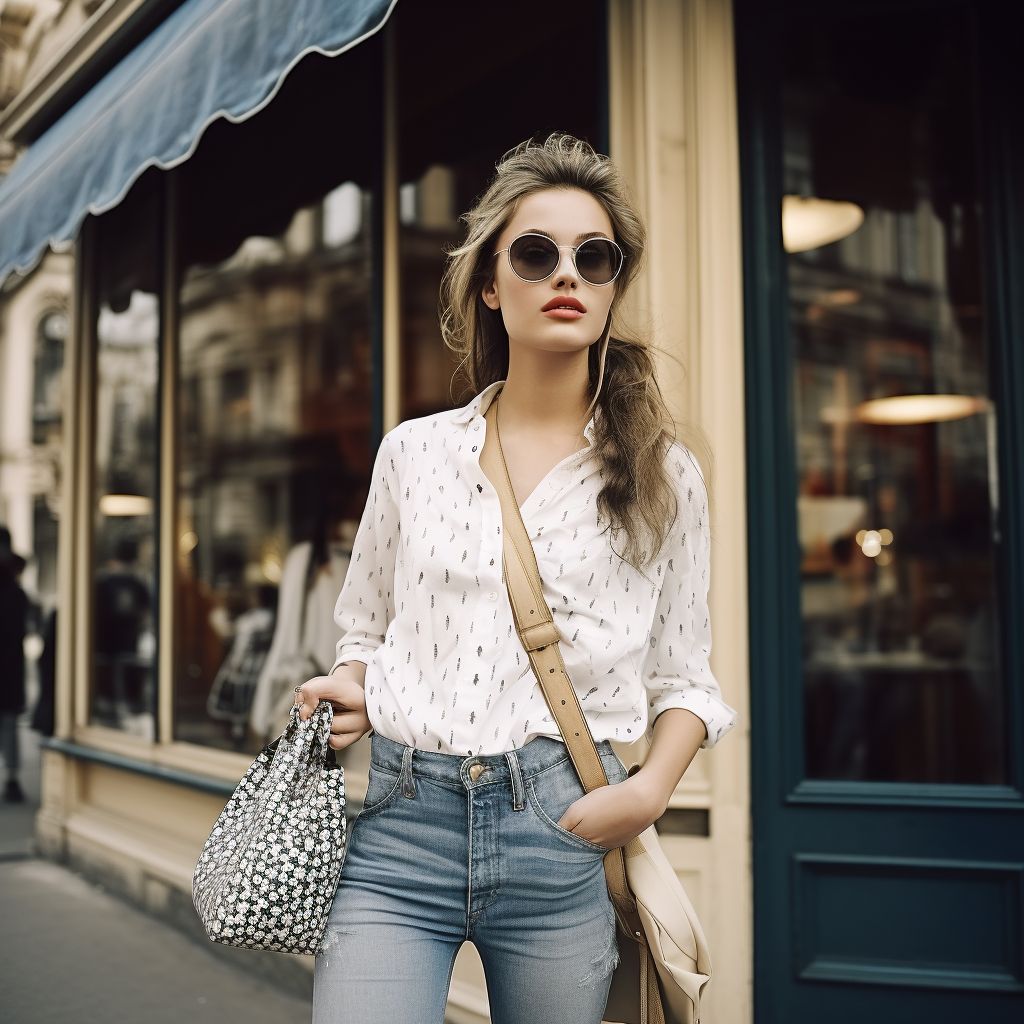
(474, 447)
(492, 596)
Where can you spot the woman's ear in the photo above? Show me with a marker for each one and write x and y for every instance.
(490, 294)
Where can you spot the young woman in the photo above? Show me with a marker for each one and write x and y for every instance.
(475, 824)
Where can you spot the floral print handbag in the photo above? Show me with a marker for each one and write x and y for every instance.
(269, 870)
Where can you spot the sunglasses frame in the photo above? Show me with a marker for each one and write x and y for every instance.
(574, 248)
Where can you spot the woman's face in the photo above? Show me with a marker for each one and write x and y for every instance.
(563, 214)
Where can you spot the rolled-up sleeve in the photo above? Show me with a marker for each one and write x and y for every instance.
(366, 605)
(676, 666)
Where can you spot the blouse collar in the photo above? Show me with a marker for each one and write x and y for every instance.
(478, 407)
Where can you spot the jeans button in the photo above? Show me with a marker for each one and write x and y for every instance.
(475, 770)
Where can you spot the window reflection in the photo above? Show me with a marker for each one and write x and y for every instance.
(452, 133)
(273, 453)
(126, 461)
(894, 426)
(275, 389)
(49, 399)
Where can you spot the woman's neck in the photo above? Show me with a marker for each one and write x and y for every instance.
(553, 404)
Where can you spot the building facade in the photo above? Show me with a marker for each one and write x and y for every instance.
(833, 205)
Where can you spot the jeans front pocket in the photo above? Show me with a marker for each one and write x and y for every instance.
(382, 786)
(552, 791)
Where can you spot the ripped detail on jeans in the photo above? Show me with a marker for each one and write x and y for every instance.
(332, 939)
(604, 964)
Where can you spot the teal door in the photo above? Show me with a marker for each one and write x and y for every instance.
(882, 161)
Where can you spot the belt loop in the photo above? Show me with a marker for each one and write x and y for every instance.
(408, 786)
(518, 802)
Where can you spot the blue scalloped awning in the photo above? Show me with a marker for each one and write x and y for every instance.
(209, 59)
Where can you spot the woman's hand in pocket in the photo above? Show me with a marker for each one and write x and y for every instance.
(348, 698)
(611, 815)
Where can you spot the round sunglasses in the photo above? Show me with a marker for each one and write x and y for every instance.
(534, 258)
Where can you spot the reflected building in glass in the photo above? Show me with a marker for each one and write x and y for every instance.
(895, 425)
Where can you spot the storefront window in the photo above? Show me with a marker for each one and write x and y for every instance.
(895, 428)
(49, 399)
(461, 106)
(127, 332)
(48, 378)
(277, 312)
(275, 383)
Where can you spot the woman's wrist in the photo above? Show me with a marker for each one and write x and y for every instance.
(356, 670)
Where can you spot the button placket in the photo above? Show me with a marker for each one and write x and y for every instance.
(492, 595)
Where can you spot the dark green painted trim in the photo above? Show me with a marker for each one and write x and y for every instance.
(797, 821)
(1000, 174)
(775, 628)
(818, 791)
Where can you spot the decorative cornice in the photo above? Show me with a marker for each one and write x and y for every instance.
(113, 28)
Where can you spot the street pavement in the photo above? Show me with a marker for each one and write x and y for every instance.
(71, 950)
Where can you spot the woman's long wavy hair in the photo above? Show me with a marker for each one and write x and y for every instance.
(635, 428)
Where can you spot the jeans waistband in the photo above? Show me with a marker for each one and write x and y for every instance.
(535, 756)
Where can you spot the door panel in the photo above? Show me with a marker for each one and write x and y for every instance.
(885, 434)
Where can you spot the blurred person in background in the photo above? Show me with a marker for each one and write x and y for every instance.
(123, 618)
(44, 714)
(13, 624)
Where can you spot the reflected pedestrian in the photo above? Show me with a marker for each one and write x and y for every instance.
(13, 624)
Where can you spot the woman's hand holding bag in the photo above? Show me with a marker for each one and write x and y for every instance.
(347, 697)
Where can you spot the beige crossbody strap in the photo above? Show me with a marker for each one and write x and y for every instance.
(540, 637)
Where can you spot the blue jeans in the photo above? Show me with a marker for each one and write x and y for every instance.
(438, 857)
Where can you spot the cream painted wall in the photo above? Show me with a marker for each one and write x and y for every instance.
(674, 133)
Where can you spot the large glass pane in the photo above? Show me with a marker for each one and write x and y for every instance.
(124, 613)
(275, 396)
(49, 399)
(461, 106)
(895, 429)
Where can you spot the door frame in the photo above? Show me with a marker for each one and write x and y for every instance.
(776, 683)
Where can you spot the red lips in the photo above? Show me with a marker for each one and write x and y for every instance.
(564, 300)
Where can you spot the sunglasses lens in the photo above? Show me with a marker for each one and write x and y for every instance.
(533, 257)
(598, 260)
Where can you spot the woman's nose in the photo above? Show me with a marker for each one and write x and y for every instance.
(566, 269)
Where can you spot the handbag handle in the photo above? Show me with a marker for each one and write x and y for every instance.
(540, 636)
(313, 732)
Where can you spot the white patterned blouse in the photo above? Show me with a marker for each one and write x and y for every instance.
(425, 605)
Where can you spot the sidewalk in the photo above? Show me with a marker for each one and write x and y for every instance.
(73, 951)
